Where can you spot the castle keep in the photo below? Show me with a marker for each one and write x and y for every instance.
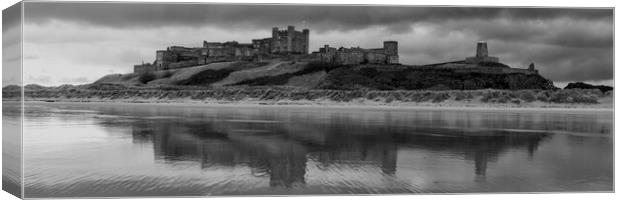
(289, 44)
(289, 41)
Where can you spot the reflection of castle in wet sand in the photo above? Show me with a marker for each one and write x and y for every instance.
(283, 150)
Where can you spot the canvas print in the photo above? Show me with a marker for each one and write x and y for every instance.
(139, 99)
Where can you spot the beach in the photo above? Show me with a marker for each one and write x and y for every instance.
(355, 104)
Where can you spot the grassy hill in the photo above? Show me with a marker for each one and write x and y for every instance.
(292, 95)
(442, 76)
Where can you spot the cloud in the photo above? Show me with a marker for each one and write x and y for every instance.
(76, 80)
(93, 39)
(560, 31)
(41, 79)
(319, 18)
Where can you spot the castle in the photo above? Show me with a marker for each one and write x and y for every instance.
(288, 44)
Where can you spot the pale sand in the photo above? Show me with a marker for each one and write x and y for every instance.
(356, 104)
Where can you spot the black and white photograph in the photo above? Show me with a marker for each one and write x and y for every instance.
(113, 99)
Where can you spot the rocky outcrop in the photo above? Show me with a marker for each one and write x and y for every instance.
(432, 78)
(581, 85)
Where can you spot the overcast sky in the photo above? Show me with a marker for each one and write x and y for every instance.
(76, 43)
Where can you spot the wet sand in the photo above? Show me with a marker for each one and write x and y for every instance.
(355, 104)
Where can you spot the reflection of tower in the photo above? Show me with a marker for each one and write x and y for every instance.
(388, 159)
(480, 150)
(289, 168)
(141, 133)
(532, 145)
(481, 160)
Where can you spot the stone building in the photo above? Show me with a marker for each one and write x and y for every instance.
(482, 55)
(356, 55)
(290, 41)
(283, 44)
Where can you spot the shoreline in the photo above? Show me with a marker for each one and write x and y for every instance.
(364, 105)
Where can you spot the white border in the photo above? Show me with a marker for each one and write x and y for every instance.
(550, 3)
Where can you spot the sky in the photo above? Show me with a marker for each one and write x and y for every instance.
(77, 43)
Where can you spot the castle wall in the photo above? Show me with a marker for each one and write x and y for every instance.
(349, 58)
(495, 70)
(182, 64)
(204, 52)
(392, 60)
(375, 58)
(216, 59)
(356, 55)
(476, 60)
(378, 50)
(163, 58)
(188, 55)
(144, 68)
(179, 49)
(244, 51)
(262, 46)
(459, 67)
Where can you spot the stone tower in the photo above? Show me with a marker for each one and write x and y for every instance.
(482, 55)
(274, 32)
(290, 41)
(305, 48)
(390, 48)
(481, 50)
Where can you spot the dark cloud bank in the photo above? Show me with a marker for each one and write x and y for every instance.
(569, 44)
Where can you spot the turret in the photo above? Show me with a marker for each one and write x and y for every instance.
(306, 45)
(274, 32)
